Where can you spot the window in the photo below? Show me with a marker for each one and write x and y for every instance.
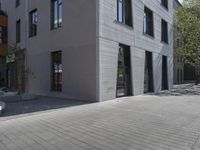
(17, 3)
(164, 3)
(178, 59)
(182, 60)
(18, 31)
(124, 12)
(181, 75)
(3, 34)
(164, 73)
(178, 43)
(56, 13)
(33, 23)
(124, 86)
(164, 31)
(148, 72)
(56, 58)
(148, 22)
(178, 75)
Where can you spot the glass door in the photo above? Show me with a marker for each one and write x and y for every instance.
(124, 72)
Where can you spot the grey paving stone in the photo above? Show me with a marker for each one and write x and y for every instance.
(135, 123)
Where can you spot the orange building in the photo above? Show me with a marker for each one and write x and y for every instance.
(3, 47)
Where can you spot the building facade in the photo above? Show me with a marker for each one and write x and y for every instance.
(178, 61)
(3, 47)
(95, 50)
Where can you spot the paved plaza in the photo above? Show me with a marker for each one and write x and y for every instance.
(135, 123)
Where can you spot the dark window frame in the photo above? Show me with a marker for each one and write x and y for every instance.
(124, 75)
(164, 3)
(178, 75)
(124, 12)
(165, 79)
(149, 69)
(178, 59)
(148, 22)
(33, 20)
(56, 15)
(164, 31)
(17, 3)
(56, 71)
(18, 31)
(178, 43)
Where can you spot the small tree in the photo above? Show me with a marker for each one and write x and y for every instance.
(187, 22)
(12, 48)
(19, 65)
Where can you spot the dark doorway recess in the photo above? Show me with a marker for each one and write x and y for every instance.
(124, 86)
(148, 74)
(189, 73)
(164, 73)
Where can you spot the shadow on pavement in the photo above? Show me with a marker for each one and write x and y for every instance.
(38, 105)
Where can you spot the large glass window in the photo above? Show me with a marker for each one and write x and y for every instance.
(164, 31)
(56, 58)
(124, 86)
(120, 11)
(148, 73)
(56, 13)
(18, 31)
(124, 12)
(148, 22)
(164, 73)
(178, 76)
(33, 23)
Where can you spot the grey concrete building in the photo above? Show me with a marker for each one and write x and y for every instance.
(96, 49)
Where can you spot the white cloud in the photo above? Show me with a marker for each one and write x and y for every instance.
(180, 1)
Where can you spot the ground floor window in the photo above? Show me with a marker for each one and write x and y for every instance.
(148, 73)
(178, 76)
(164, 73)
(181, 74)
(56, 67)
(124, 86)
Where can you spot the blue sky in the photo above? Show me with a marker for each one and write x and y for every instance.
(181, 1)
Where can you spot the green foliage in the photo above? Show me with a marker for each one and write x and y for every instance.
(187, 23)
(191, 3)
(12, 48)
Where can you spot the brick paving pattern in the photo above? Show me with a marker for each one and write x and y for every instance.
(135, 123)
